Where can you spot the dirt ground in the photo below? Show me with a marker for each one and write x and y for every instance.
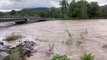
(65, 37)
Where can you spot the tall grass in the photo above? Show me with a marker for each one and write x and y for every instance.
(60, 57)
(104, 46)
(74, 39)
(82, 37)
(87, 56)
(13, 37)
(70, 38)
(17, 53)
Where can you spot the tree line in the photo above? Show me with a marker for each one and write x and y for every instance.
(81, 9)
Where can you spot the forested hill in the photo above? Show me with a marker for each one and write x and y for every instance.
(37, 9)
(75, 10)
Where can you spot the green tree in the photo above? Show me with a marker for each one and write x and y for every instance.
(82, 9)
(13, 12)
(93, 10)
(104, 11)
(72, 9)
(78, 9)
(64, 6)
(1, 14)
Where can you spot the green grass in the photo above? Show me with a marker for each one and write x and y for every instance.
(21, 51)
(17, 53)
(14, 56)
(13, 37)
(60, 57)
(87, 56)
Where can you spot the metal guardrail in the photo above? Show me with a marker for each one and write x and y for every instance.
(21, 19)
(11, 19)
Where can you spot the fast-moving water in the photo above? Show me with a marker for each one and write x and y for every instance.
(55, 32)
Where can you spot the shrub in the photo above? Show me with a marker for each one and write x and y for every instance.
(17, 53)
(21, 51)
(79, 43)
(104, 46)
(83, 35)
(14, 56)
(13, 37)
(87, 56)
(70, 38)
(60, 57)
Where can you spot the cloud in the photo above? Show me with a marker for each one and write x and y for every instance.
(4, 10)
(102, 2)
(55, 4)
(20, 4)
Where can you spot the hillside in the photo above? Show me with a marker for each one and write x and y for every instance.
(37, 9)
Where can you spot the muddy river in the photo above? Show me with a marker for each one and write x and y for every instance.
(65, 37)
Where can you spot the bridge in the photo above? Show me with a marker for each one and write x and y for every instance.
(19, 20)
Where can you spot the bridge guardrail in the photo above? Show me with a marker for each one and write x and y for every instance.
(21, 19)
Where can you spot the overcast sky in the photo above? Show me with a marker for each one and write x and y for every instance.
(7, 5)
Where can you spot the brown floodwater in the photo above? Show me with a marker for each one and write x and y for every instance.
(63, 35)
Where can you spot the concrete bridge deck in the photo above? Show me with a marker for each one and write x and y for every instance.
(21, 19)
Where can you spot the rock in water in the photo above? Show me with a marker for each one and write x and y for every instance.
(4, 56)
(1, 43)
(3, 52)
(3, 48)
(28, 47)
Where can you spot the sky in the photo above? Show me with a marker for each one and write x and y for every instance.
(8, 5)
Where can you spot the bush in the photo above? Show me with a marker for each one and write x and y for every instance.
(104, 46)
(87, 56)
(60, 57)
(13, 37)
(14, 56)
(21, 51)
(17, 53)
(70, 38)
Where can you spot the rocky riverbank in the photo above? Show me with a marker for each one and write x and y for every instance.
(24, 49)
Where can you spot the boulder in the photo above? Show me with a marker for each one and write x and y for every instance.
(4, 56)
(3, 52)
(3, 48)
(28, 47)
(1, 43)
